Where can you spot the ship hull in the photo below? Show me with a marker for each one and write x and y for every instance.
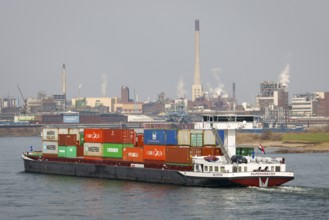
(163, 176)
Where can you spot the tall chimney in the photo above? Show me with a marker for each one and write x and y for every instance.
(197, 87)
(64, 85)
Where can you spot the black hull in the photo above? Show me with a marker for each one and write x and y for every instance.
(162, 176)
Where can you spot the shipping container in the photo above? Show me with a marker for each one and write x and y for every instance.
(67, 151)
(50, 134)
(160, 137)
(71, 152)
(209, 138)
(178, 154)
(133, 154)
(196, 139)
(93, 149)
(196, 151)
(61, 151)
(155, 152)
(184, 137)
(140, 140)
(67, 139)
(49, 147)
(119, 136)
(211, 151)
(63, 131)
(245, 151)
(112, 150)
(93, 135)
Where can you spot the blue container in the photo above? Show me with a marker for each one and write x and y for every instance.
(221, 135)
(160, 137)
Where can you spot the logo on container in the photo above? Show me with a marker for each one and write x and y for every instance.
(154, 153)
(93, 149)
(154, 135)
(112, 150)
(93, 136)
(131, 154)
(50, 147)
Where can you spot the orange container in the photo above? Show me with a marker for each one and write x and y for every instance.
(133, 154)
(178, 154)
(93, 135)
(155, 152)
(211, 151)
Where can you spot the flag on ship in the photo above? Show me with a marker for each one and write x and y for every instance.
(261, 148)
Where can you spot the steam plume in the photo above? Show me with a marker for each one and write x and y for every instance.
(219, 90)
(103, 84)
(180, 88)
(284, 76)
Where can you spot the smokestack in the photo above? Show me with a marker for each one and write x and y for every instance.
(233, 94)
(197, 26)
(64, 85)
(197, 87)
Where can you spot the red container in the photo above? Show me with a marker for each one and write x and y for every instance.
(67, 139)
(121, 136)
(211, 151)
(79, 151)
(178, 154)
(155, 152)
(133, 154)
(196, 151)
(140, 140)
(93, 135)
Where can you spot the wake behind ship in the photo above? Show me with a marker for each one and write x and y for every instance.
(204, 156)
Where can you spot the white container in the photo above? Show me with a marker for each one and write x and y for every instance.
(209, 138)
(93, 149)
(184, 137)
(50, 134)
(63, 131)
(50, 147)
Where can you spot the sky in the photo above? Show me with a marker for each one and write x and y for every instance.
(148, 45)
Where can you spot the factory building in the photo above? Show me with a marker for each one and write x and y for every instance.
(273, 102)
(310, 105)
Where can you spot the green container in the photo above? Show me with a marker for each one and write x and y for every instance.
(112, 150)
(196, 140)
(67, 151)
(82, 138)
(244, 151)
(61, 151)
(71, 152)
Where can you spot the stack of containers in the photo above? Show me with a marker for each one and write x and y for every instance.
(50, 142)
(203, 139)
(116, 140)
(67, 145)
(92, 146)
(155, 143)
(107, 143)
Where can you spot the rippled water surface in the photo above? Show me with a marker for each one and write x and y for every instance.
(39, 196)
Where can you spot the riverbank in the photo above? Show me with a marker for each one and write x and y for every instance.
(279, 144)
(20, 131)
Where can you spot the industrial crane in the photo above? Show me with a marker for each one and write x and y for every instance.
(24, 99)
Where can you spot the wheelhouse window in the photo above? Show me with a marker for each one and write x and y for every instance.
(277, 169)
(216, 169)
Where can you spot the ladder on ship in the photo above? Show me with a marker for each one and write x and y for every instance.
(220, 144)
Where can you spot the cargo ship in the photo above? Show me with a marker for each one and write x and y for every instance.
(204, 156)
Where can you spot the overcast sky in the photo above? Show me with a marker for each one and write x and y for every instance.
(148, 46)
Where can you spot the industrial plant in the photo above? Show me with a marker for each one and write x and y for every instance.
(272, 104)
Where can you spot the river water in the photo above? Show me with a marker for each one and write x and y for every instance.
(40, 196)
